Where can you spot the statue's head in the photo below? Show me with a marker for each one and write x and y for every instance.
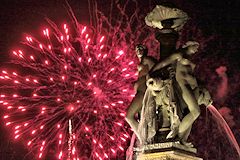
(192, 47)
(141, 50)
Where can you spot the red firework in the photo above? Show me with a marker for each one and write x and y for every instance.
(69, 99)
(72, 94)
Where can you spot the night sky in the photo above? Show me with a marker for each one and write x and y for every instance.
(220, 19)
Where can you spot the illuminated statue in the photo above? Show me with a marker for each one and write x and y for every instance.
(185, 86)
(146, 63)
(170, 103)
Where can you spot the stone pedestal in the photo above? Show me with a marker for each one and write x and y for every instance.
(166, 151)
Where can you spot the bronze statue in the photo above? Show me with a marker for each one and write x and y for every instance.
(146, 63)
(168, 95)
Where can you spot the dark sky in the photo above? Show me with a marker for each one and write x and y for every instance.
(18, 16)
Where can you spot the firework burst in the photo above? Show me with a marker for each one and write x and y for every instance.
(67, 79)
(66, 93)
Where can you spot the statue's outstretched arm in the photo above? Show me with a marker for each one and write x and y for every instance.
(149, 61)
(166, 62)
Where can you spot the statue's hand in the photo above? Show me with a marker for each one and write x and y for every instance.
(205, 98)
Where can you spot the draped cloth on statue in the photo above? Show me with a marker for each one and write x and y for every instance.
(147, 124)
(148, 121)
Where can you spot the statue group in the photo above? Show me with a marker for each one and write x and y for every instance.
(168, 97)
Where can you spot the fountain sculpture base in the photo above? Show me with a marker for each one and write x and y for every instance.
(166, 151)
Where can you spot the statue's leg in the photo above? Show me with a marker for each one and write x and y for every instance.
(134, 108)
(185, 137)
(194, 110)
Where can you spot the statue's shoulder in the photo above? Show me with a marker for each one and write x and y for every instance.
(148, 60)
(176, 57)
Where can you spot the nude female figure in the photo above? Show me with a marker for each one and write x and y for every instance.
(188, 85)
(146, 63)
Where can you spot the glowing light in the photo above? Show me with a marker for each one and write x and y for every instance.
(89, 60)
(88, 41)
(112, 138)
(120, 124)
(26, 124)
(41, 46)
(130, 63)
(6, 116)
(121, 148)
(29, 143)
(123, 139)
(17, 136)
(113, 151)
(40, 155)
(15, 53)
(120, 102)
(79, 59)
(8, 123)
(124, 69)
(105, 155)
(102, 38)
(34, 131)
(17, 82)
(84, 29)
(60, 155)
(106, 106)
(125, 135)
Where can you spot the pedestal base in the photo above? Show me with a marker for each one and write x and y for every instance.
(167, 155)
(166, 151)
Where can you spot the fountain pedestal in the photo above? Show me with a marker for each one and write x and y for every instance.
(166, 151)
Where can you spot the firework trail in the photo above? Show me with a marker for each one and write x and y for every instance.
(66, 93)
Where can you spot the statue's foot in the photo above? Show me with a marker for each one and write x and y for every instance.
(172, 134)
(188, 144)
